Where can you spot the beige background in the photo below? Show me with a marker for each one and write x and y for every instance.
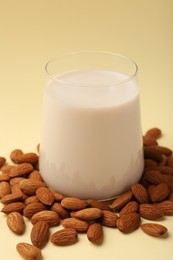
(32, 32)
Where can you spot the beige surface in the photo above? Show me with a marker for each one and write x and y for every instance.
(32, 32)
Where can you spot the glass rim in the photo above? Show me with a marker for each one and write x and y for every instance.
(66, 82)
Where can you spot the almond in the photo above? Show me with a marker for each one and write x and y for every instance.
(4, 177)
(35, 175)
(40, 234)
(148, 141)
(31, 158)
(31, 199)
(150, 211)
(98, 204)
(140, 193)
(7, 168)
(150, 163)
(13, 197)
(73, 203)
(58, 196)
(128, 222)
(108, 218)
(87, 214)
(154, 177)
(159, 193)
(28, 251)
(152, 153)
(15, 222)
(15, 154)
(131, 206)
(63, 237)
(154, 229)
(29, 186)
(45, 195)
(16, 180)
(46, 215)
(154, 132)
(4, 188)
(166, 207)
(14, 206)
(119, 202)
(165, 169)
(169, 162)
(63, 213)
(163, 150)
(20, 170)
(2, 161)
(77, 224)
(95, 233)
(32, 208)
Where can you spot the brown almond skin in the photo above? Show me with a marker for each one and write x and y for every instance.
(130, 207)
(46, 215)
(2, 161)
(31, 158)
(77, 224)
(45, 196)
(159, 193)
(64, 237)
(166, 207)
(29, 186)
(150, 211)
(170, 162)
(16, 223)
(32, 208)
(4, 188)
(108, 219)
(128, 222)
(140, 193)
(154, 229)
(72, 203)
(13, 197)
(40, 234)
(15, 154)
(122, 200)
(63, 213)
(14, 206)
(154, 177)
(152, 153)
(154, 132)
(87, 214)
(98, 204)
(148, 141)
(165, 169)
(28, 251)
(21, 170)
(95, 233)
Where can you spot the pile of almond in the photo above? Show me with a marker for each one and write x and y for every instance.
(26, 196)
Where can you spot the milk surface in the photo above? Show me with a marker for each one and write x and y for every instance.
(91, 142)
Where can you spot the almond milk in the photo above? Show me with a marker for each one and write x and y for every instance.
(91, 141)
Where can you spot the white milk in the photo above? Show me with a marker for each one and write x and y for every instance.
(91, 143)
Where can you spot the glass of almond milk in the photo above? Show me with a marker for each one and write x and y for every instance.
(91, 138)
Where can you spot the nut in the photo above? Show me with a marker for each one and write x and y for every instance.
(40, 234)
(154, 229)
(73, 203)
(28, 251)
(119, 202)
(66, 236)
(45, 195)
(15, 222)
(95, 233)
(77, 224)
(129, 222)
(87, 214)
